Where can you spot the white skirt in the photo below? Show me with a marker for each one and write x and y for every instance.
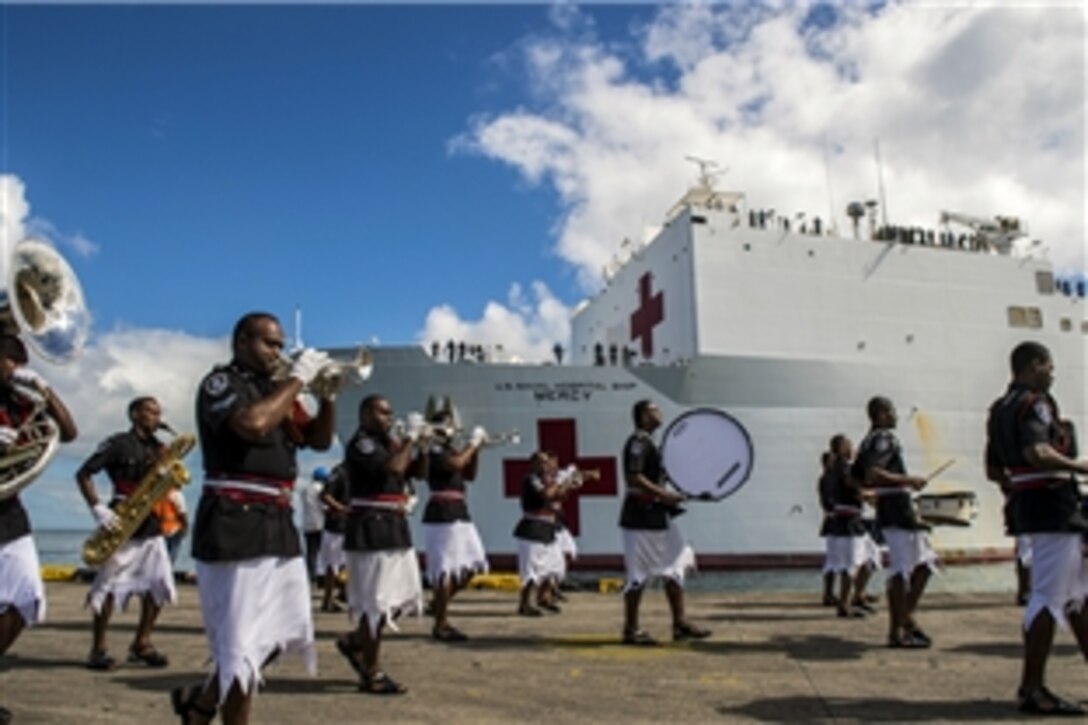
(21, 580)
(331, 554)
(566, 543)
(383, 584)
(539, 562)
(850, 553)
(140, 566)
(1023, 549)
(1059, 577)
(251, 609)
(649, 553)
(907, 550)
(454, 550)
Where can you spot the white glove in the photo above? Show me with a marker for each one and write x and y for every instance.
(308, 364)
(29, 378)
(105, 516)
(479, 436)
(8, 436)
(413, 426)
(566, 475)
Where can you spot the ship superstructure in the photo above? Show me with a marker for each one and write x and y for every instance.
(789, 327)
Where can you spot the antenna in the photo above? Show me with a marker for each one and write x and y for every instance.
(830, 195)
(880, 182)
(297, 345)
(706, 176)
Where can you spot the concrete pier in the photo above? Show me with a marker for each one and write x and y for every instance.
(772, 657)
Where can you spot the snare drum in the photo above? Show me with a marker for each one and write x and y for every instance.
(955, 508)
(707, 454)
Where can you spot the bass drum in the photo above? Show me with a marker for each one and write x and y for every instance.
(707, 454)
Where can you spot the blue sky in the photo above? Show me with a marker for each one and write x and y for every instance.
(237, 157)
(435, 171)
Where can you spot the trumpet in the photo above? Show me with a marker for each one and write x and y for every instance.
(460, 438)
(334, 376)
(575, 477)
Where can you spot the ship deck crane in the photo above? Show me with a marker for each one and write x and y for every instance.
(997, 233)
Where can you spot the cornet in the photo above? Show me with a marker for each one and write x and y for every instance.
(334, 376)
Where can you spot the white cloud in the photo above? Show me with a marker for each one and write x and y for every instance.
(14, 210)
(526, 327)
(977, 109)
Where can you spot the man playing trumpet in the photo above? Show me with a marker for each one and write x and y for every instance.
(455, 552)
(254, 588)
(141, 567)
(383, 570)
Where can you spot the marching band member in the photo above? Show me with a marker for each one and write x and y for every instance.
(22, 595)
(254, 589)
(540, 560)
(1030, 449)
(848, 544)
(455, 552)
(652, 544)
(383, 570)
(142, 565)
(331, 562)
(880, 466)
(827, 505)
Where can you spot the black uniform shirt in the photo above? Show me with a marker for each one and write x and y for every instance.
(842, 494)
(535, 525)
(14, 523)
(442, 476)
(371, 528)
(228, 530)
(640, 455)
(894, 508)
(126, 458)
(1023, 418)
(337, 489)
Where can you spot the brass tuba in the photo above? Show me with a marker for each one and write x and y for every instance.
(42, 303)
(167, 472)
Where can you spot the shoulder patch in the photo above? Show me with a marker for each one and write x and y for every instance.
(881, 444)
(636, 446)
(365, 445)
(1042, 411)
(216, 384)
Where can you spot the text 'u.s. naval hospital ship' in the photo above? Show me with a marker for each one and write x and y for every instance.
(788, 330)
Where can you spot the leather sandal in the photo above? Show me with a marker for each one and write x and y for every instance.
(148, 655)
(184, 699)
(1042, 701)
(449, 634)
(639, 638)
(380, 684)
(100, 661)
(686, 631)
(907, 641)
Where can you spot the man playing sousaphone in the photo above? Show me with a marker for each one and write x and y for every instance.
(22, 596)
(141, 567)
(652, 544)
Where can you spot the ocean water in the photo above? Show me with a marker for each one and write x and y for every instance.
(63, 547)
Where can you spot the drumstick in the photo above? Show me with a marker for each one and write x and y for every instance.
(940, 469)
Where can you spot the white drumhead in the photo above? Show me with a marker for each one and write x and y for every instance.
(707, 453)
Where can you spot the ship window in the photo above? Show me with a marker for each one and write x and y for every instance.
(698, 219)
(1084, 327)
(1031, 317)
(1044, 282)
(1066, 324)
(747, 247)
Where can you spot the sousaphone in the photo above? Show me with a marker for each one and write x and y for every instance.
(42, 303)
